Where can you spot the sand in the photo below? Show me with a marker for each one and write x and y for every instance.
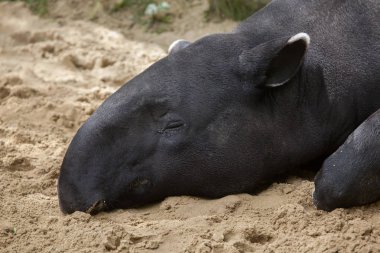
(53, 75)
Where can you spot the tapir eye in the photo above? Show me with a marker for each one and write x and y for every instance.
(171, 127)
(174, 124)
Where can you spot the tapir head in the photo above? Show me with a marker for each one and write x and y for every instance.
(197, 122)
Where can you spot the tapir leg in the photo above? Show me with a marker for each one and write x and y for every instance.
(351, 175)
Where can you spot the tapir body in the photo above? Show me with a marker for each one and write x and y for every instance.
(231, 112)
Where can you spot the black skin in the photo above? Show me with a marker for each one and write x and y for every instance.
(351, 175)
(231, 112)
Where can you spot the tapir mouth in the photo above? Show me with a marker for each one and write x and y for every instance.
(101, 205)
(97, 207)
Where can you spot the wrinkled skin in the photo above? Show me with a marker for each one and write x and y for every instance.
(231, 112)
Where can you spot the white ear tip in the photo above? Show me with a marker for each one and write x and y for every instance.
(174, 44)
(300, 36)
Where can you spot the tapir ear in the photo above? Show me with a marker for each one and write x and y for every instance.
(178, 45)
(274, 63)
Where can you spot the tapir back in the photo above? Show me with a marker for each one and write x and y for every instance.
(345, 46)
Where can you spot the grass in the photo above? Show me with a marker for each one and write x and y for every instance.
(233, 9)
(156, 23)
(160, 22)
(138, 5)
(39, 7)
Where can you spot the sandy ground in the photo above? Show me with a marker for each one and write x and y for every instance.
(53, 75)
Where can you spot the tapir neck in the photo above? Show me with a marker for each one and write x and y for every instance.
(314, 124)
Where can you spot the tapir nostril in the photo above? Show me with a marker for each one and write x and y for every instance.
(97, 207)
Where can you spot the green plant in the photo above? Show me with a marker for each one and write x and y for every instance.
(39, 7)
(155, 15)
(233, 9)
(137, 5)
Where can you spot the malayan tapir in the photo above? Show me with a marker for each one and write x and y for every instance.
(231, 112)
